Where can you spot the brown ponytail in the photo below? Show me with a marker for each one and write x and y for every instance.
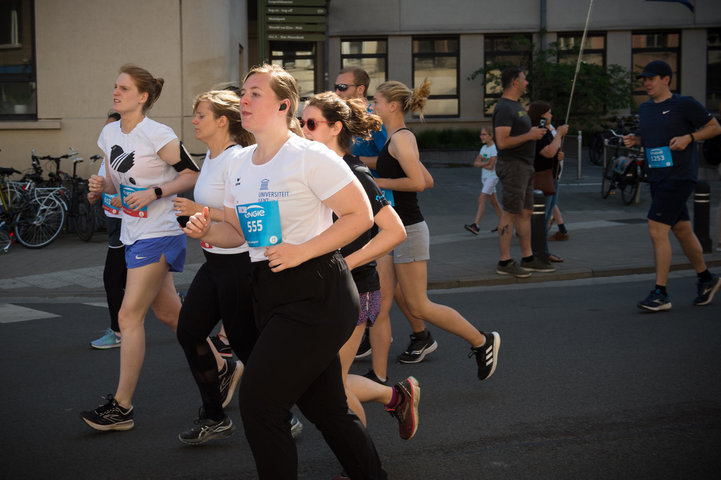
(352, 114)
(145, 83)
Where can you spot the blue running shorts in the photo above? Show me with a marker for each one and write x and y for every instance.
(149, 250)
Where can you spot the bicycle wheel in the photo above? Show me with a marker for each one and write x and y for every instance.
(595, 149)
(83, 221)
(607, 183)
(6, 238)
(629, 187)
(39, 223)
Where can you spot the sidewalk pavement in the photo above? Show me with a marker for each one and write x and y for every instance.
(607, 238)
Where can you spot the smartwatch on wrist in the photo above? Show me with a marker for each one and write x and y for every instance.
(158, 192)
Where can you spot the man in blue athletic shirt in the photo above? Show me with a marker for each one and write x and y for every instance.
(670, 126)
(353, 82)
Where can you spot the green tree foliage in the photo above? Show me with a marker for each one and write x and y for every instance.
(598, 92)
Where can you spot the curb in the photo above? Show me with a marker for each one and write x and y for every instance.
(82, 295)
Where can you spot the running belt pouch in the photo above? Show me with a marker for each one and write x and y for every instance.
(543, 181)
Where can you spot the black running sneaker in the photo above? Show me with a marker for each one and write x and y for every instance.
(207, 429)
(487, 355)
(370, 374)
(656, 301)
(296, 426)
(473, 228)
(223, 348)
(706, 290)
(109, 416)
(419, 347)
(406, 411)
(364, 349)
(228, 379)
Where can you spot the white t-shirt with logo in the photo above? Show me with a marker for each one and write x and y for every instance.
(285, 195)
(133, 164)
(210, 188)
(488, 152)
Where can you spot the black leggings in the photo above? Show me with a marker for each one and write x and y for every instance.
(220, 290)
(304, 314)
(115, 271)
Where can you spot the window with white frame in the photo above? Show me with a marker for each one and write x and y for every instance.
(369, 54)
(437, 59)
(501, 51)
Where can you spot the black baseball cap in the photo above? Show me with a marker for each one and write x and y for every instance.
(657, 67)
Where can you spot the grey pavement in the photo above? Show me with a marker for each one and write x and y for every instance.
(607, 238)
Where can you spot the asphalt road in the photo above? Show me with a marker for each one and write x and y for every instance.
(587, 387)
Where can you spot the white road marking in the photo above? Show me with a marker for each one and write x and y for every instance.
(10, 313)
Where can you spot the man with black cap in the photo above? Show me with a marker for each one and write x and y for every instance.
(670, 126)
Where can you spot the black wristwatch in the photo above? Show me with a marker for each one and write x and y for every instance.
(158, 192)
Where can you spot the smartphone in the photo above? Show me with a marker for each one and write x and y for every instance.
(542, 123)
(182, 220)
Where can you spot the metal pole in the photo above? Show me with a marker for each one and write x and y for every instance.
(578, 62)
(580, 153)
(701, 213)
(538, 226)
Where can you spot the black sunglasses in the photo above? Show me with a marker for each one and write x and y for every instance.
(342, 87)
(311, 123)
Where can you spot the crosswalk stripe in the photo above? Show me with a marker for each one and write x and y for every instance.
(10, 313)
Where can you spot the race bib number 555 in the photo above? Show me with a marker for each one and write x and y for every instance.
(260, 223)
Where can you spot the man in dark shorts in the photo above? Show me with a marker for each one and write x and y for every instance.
(670, 126)
(516, 144)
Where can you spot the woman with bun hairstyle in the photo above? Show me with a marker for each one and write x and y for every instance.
(333, 121)
(144, 164)
(399, 170)
(280, 199)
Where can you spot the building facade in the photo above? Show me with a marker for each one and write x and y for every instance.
(59, 59)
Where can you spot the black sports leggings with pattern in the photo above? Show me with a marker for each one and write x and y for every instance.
(220, 290)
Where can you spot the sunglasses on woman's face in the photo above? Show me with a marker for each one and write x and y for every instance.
(342, 87)
(311, 123)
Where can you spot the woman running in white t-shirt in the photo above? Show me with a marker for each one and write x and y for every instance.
(220, 289)
(280, 200)
(145, 166)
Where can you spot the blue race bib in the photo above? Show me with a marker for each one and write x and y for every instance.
(659, 157)
(107, 206)
(260, 223)
(126, 190)
(388, 194)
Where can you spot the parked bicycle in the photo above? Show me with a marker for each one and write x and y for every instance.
(625, 125)
(7, 200)
(625, 172)
(33, 222)
(71, 191)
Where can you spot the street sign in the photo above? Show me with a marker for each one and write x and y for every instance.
(296, 3)
(294, 27)
(296, 11)
(297, 37)
(291, 21)
(296, 18)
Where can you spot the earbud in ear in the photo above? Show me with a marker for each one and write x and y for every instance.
(283, 106)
